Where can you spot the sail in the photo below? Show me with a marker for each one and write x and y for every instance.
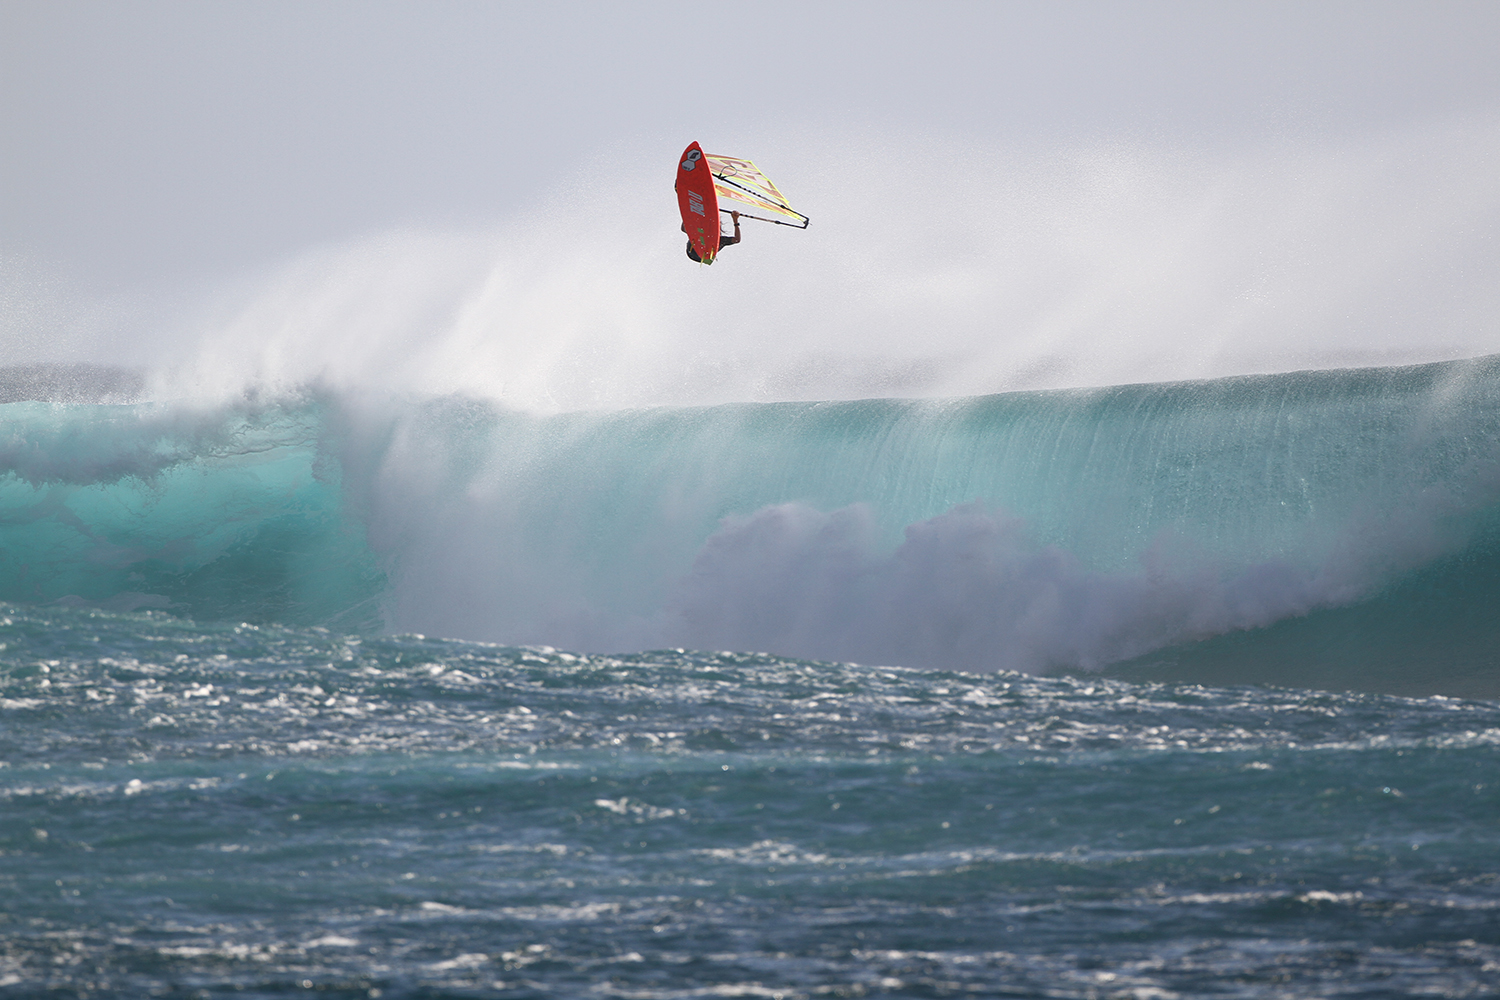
(742, 181)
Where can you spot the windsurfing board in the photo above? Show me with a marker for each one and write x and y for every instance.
(698, 203)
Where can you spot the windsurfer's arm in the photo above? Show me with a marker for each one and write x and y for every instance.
(725, 241)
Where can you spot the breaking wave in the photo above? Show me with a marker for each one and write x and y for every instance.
(1176, 527)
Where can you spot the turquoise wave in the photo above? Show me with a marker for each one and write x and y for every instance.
(220, 514)
(1261, 526)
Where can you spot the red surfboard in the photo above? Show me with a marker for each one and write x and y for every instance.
(698, 203)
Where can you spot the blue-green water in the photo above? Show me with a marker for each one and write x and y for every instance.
(1032, 531)
(230, 767)
(263, 811)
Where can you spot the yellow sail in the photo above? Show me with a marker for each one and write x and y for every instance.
(742, 181)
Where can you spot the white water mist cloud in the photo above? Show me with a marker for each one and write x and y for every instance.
(969, 589)
(931, 268)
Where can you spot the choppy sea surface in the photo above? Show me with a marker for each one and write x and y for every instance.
(199, 809)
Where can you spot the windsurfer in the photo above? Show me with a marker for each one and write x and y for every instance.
(724, 241)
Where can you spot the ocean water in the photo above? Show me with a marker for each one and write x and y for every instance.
(1163, 690)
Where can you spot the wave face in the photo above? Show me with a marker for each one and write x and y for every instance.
(1344, 518)
(215, 514)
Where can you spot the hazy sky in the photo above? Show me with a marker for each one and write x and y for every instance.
(154, 143)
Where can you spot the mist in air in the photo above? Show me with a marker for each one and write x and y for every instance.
(476, 201)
